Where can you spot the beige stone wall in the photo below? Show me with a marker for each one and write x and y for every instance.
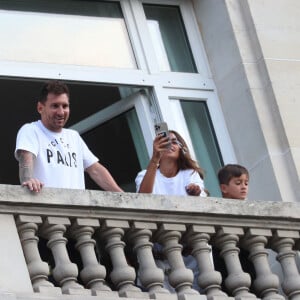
(277, 27)
(252, 50)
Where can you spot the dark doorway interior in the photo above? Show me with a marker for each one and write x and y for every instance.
(111, 142)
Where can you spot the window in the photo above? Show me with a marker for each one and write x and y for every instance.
(89, 44)
(204, 142)
(119, 145)
(88, 33)
(169, 38)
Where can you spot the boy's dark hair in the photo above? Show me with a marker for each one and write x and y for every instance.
(55, 87)
(229, 171)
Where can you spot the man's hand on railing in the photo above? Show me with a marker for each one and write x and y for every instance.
(33, 185)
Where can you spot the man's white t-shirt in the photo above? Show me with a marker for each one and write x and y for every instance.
(172, 185)
(61, 157)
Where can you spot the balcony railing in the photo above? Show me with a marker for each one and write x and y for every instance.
(73, 244)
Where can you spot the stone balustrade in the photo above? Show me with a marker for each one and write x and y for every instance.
(69, 244)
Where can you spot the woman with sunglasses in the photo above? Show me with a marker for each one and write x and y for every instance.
(171, 170)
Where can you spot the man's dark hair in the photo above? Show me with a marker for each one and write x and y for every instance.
(55, 87)
(230, 171)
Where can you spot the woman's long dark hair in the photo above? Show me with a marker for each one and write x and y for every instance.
(185, 160)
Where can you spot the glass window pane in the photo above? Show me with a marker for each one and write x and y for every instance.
(66, 7)
(90, 33)
(137, 137)
(204, 142)
(169, 38)
(114, 142)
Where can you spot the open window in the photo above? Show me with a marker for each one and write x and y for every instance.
(114, 128)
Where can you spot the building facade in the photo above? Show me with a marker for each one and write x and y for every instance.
(222, 73)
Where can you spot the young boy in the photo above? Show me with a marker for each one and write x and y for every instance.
(233, 180)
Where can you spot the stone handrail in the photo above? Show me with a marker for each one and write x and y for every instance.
(61, 244)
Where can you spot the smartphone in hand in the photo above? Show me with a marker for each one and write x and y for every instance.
(161, 129)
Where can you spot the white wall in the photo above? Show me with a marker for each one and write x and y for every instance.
(257, 90)
(277, 26)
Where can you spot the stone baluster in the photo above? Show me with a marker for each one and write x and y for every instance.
(266, 284)
(123, 276)
(180, 277)
(197, 237)
(38, 269)
(297, 249)
(237, 282)
(65, 272)
(283, 243)
(150, 275)
(93, 273)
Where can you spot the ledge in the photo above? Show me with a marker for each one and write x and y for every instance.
(12, 196)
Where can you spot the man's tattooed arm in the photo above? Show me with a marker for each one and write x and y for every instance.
(26, 165)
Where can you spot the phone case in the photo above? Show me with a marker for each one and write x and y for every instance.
(161, 129)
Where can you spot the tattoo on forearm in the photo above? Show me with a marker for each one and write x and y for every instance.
(26, 161)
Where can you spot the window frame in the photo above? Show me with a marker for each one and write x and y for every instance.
(173, 115)
(167, 87)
